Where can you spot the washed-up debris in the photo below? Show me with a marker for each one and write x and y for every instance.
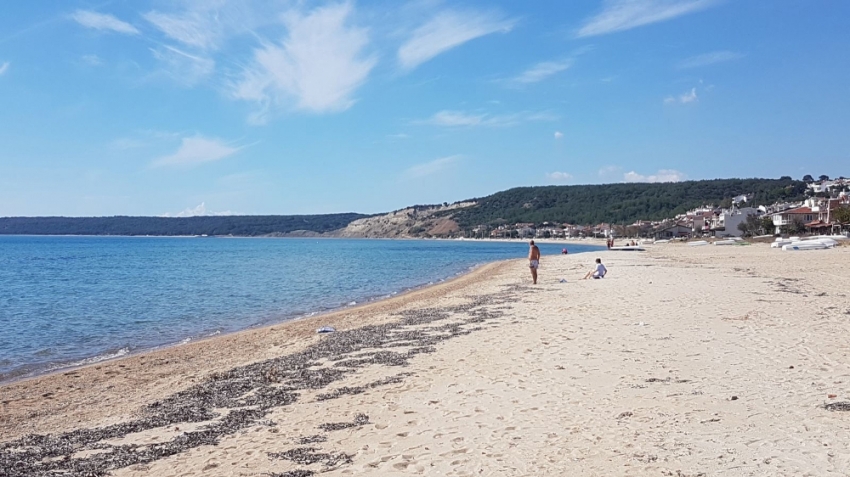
(359, 420)
(294, 473)
(314, 439)
(308, 456)
(326, 329)
(837, 406)
(228, 402)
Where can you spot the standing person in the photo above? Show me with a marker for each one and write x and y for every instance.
(598, 272)
(533, 260)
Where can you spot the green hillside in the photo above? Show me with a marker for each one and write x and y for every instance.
(620, 203)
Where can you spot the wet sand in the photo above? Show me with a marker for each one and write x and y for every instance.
(685, 361)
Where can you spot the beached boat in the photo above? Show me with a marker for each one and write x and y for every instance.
(726, 242)
(697, 243)
(804, 245)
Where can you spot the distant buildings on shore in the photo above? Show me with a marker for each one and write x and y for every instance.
(819, 214)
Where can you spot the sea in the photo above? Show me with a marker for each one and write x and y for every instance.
(68, 300)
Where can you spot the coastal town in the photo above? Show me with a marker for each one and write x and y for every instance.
(825, 211)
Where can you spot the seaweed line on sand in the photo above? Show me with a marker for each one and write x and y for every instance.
(248, 393)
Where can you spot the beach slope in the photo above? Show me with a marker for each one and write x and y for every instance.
(684, 361)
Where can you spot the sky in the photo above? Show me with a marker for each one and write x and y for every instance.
(206, 107)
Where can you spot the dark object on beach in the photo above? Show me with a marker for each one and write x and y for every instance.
(837, 406)
(294, 473)
(359, 420)
(308, 455)
(790, 367)
(312, 439)
(734, 398)
(832, 396)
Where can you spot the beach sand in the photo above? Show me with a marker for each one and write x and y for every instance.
(685, 361)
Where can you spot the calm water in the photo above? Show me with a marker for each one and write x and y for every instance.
(74, 300)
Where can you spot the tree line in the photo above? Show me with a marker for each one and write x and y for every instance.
(238, 225)
(621, 203)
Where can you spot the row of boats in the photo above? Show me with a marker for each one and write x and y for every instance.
(818, 242)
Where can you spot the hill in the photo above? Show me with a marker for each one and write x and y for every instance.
(579, 204)
(619, 203)
(240, 225)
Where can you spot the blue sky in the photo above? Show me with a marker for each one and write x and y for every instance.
(296, 107)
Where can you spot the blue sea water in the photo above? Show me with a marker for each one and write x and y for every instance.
(67, 301)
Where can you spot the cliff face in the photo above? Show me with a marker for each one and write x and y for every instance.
(431, 221)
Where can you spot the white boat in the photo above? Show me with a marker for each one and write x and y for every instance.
(829, 237)
(662, 241)
(726, 242)
(697, 243)
(808, 245)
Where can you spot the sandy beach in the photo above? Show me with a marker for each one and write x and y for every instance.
(684, 361)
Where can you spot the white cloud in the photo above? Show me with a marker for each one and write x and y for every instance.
(663, 175)
(448, 118)
(709, 59)
(559, 176)
(399, 136)
(196, 150)
(541, 71)
(3, 68)
(199, 210)
(103, 21)
(318, 65)
(448, 30)
(182, 67)
(689, 97)
(559, 135)
(433, 167)
(684, 98)
(619, 15)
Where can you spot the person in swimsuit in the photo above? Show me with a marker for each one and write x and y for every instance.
(533, 260)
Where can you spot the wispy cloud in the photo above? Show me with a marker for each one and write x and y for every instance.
(103, 22)
(4, 68)
(609, 171)
(448, 118)
(541, 71)
(559, 135)
(431, 168)
(318, 66)
(196, 150)
(447, 30)
(198, 211)
(663, 175)
(619, 15)
(191, 28)
(183, 67)
(684, 98)
(91, 60)
(709, 59)
(559, 176)
(399, 136)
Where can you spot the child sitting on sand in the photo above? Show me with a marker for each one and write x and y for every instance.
(598, 272)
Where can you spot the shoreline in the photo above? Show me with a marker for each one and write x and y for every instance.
(100, 359)
(31, 371)
(291, 331)
(723, 360)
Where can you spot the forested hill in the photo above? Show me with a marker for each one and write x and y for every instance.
(620, 203)
(241, 225)
(582, 204)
